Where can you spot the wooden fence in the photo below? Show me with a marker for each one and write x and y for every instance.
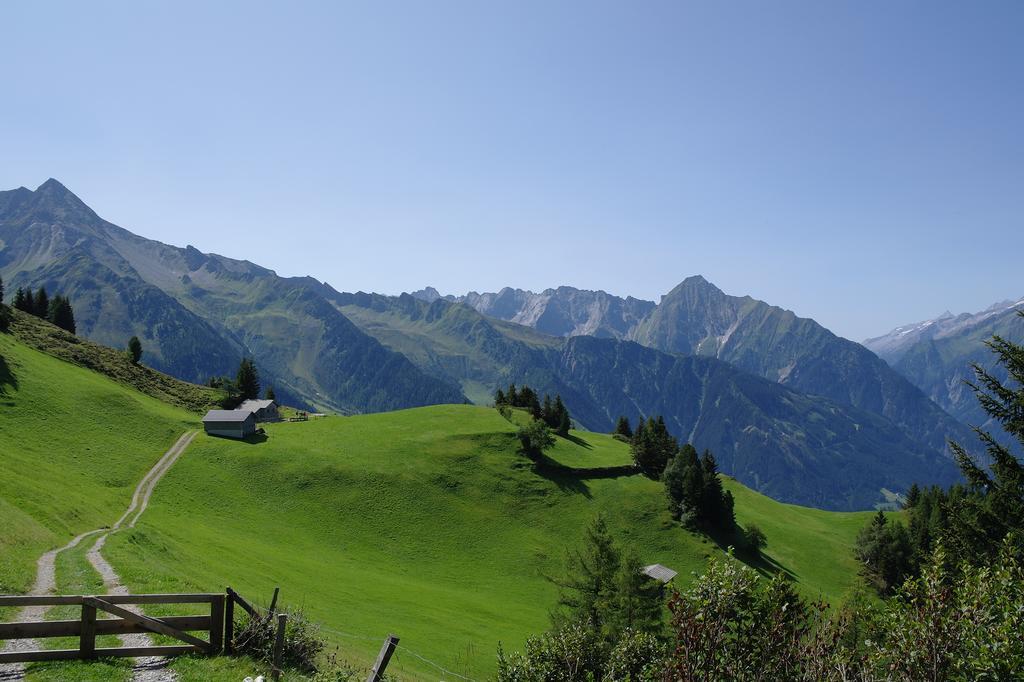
(88, 626)
(218, 623)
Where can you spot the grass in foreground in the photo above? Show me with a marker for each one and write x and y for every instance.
(426, 523)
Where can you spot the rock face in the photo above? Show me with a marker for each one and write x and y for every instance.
(698, 318)
(564, 311)
(197, 314)
(937, 355)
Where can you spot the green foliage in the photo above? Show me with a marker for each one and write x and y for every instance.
(607, 622)
(22, 301)
(552, 412)
(61, 314)
(255, 637)
(41, 303)
(653, 446)
(269, 394)
(5, 318)
(695, 492)
(623, 428)
(135, 350)
(572, 653)
(535, 437)
(972, 521)
(754, 539)
(247, 381)
(1, 290)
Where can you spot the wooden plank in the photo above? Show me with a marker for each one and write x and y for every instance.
(74, 599)
(197, 598)
(132, 652)
(87, 636)
(229, 623)
(47, 655)
(71, 654)
(282, 621)
(104, 626)
(244, 604)
(40, 600)
(377, 673)
(216, 625)
(151, 623)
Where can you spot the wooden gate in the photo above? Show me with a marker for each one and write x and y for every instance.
(123, 622)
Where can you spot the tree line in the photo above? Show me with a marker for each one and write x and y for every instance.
(56, 310)
(245, 385)
(552, 413)
(971, 521)
(696, 496)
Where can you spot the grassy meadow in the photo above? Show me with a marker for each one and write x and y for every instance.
(428, 523)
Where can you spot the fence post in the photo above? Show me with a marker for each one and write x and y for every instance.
(273, 600)
(87, 638)
(382, 659)
(217, 624)
(282, 620)
(229, 622)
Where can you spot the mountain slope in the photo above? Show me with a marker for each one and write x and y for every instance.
(697, 318)
(198, 314)
(936, 355)
(565, 311)
(780, 442)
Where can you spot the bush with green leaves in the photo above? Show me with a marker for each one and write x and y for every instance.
(255, 637)
(535, 437)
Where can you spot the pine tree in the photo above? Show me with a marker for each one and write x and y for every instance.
(713, 497)
(560, 415)
(270, 395)
(913, 496)
(21, 301)
(638, 600)
(134, 350)
(587, 592)
(623, 428)
(513, 396)
(547, 413)
(247, 380)
(41, 303)
(499, 398)
(674, 479)
(995, 507)
(1, 290)
(61, 313)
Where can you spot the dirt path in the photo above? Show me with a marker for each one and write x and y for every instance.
(149, 669)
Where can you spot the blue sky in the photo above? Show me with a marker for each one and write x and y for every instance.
(861, 163)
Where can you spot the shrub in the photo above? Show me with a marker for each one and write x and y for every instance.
(255, 637)
(536, 437)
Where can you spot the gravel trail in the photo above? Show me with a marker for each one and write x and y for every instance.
(148, 669)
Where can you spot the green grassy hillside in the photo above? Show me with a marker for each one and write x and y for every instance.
(73, 445)
(427, 523)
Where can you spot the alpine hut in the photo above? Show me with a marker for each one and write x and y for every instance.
(230, 423)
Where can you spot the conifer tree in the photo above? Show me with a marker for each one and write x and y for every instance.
(21, 301)
(499, 398)
(1, 290)
(587, 592)
(623, 428)
(134, 350)
(61, 313)
(41, 303)
(247, 380)
(270, 395)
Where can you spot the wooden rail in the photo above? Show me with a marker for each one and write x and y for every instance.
(89, 626)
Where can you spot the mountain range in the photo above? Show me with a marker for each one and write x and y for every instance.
(788, 407)
(937, 354)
